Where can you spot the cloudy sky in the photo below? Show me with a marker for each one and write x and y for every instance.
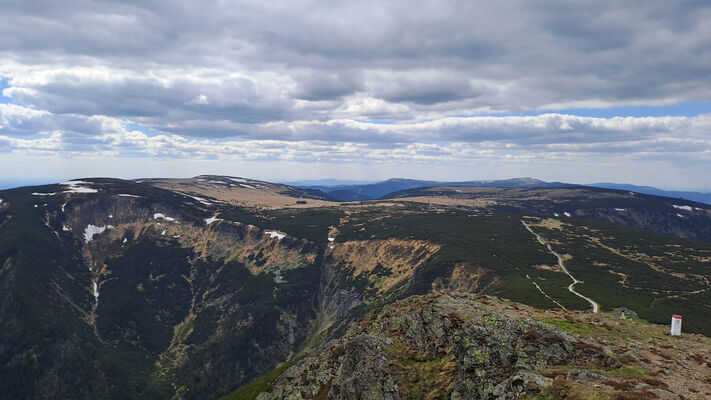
(578, 91)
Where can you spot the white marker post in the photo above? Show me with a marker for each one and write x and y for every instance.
(676, 325)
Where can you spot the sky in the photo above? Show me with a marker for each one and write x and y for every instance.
(574, 91)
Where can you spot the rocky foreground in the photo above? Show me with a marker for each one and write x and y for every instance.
(461, 346)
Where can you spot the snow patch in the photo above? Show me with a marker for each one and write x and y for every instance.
(331, 239)
(160, 215)
(211, 220)
(125, 240)
(111, 216)
(275, 234)
(176, 236)
(127, 195)
(92, 230)
(687, 208)
(66, 228)
(238, 180)
(163, 233)
(567, 214)
(36, 206)
(76, 187)
(556, 215)
(96, 291)
(247, 186)
(695, 208)
(680, 216)
(43, 194)
(632, 193)
(620, 209)
(200, 199)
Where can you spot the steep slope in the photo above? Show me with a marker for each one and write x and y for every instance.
(458, 346)
(145, 293)
(133, 291)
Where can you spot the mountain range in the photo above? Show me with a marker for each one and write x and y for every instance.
(221, 286)
(371, 191)
(380, 189)
(701, 197)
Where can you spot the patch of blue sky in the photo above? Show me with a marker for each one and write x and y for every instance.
(681, 109)
(377, 121)
(4, 84)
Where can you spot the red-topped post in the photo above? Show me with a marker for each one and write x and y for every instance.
(676, 325)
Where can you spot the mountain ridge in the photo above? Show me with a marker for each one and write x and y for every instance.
(701, 197)
(381, 189)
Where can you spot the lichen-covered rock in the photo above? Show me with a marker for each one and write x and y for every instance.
(495, 353)
(437, 346)
(351, 368)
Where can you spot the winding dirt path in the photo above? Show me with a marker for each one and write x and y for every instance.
(561, 264)
(545, 294)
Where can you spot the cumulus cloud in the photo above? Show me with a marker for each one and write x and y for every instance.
(511, 138)
(337, 81)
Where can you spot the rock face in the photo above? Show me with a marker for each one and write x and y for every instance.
(437, 346)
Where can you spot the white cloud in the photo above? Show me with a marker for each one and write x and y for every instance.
(295, 81)
(199, 99)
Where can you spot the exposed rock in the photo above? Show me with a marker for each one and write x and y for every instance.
(437, 347)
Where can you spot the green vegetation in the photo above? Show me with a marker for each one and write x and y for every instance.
(653, 274)
(497, 242)
(259, 385)
(310, 223)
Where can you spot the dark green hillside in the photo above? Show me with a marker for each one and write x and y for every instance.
(678, 217)
(49, 349)
(164, 313)
(311, 224)
(653, 274)
(496, 242)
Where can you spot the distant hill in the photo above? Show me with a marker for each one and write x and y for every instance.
(384, 188)
(693, 196)
(326, 183)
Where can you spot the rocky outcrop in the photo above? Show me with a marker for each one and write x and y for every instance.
(437, 346)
